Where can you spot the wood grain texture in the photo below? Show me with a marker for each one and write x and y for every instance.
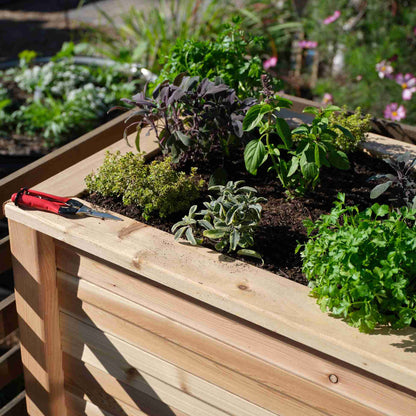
(164, 395)
(126, 362)
(37, 302)
(80, 407)
(107, 392)
(253, 294)
(190, 362)
(283, 385)
(8, 316)
(63, 157)
(263, 346)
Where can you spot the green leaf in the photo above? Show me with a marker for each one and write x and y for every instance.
(214, 234)
(345, 131)
(380, 210)
(190, 236)
(309, 170)
(206, 224)
(255, 115)
(254, 155)
(294, 164)
(234, 239)
(250, 253)
(311, 110)
(332, 108)
(339, 160)
(186, 140)
(283, 130)
(301, 130)
(180, 232)
(380, 189)
(317, 156)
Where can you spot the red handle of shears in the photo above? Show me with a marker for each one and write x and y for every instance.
(32, 192)
(38, 203)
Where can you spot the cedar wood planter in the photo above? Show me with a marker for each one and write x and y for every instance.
(118, 316)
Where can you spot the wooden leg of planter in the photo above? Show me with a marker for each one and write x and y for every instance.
(34, 268)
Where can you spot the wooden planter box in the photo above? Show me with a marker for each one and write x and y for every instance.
(118, 319)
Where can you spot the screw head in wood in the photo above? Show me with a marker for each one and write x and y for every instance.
(333, 378)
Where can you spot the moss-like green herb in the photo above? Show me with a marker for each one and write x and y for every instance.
(357, 123)
(154, 187)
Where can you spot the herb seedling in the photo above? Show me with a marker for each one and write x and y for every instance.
(296, 164)
(229, 220)
(154, 187)
(191, 116)
(361, 265)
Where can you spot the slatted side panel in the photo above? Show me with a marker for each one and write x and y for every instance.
(193, 359)
(10, 358)
(70, 181)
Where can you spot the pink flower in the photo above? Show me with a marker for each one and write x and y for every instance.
(307, 44)
(327, 98)
(408, 84)
(394, 112)
(270, 62)
(332, 18)
(359, 78)
(384, 69)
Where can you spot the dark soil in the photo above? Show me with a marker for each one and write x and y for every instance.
(281, 227)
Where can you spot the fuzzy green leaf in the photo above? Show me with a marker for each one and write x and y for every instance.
(380, 189)
(214, 234)
(250, 253)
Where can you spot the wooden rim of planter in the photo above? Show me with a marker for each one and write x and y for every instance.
(255, 295)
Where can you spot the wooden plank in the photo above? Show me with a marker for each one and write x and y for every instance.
(10, 366)
(5, 257)
(278, 352)
(37, 303)
(63, 157)
(16, 407)
(157, 389)
(124, 361)
(80, 407)
(381, 146)
(258, 296)
(198, 365)
(107, 392)
(8, 316)
(285, 386)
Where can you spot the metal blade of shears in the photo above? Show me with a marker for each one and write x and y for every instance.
(89, 211)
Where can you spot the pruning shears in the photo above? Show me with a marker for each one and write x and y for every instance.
(56, 204)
